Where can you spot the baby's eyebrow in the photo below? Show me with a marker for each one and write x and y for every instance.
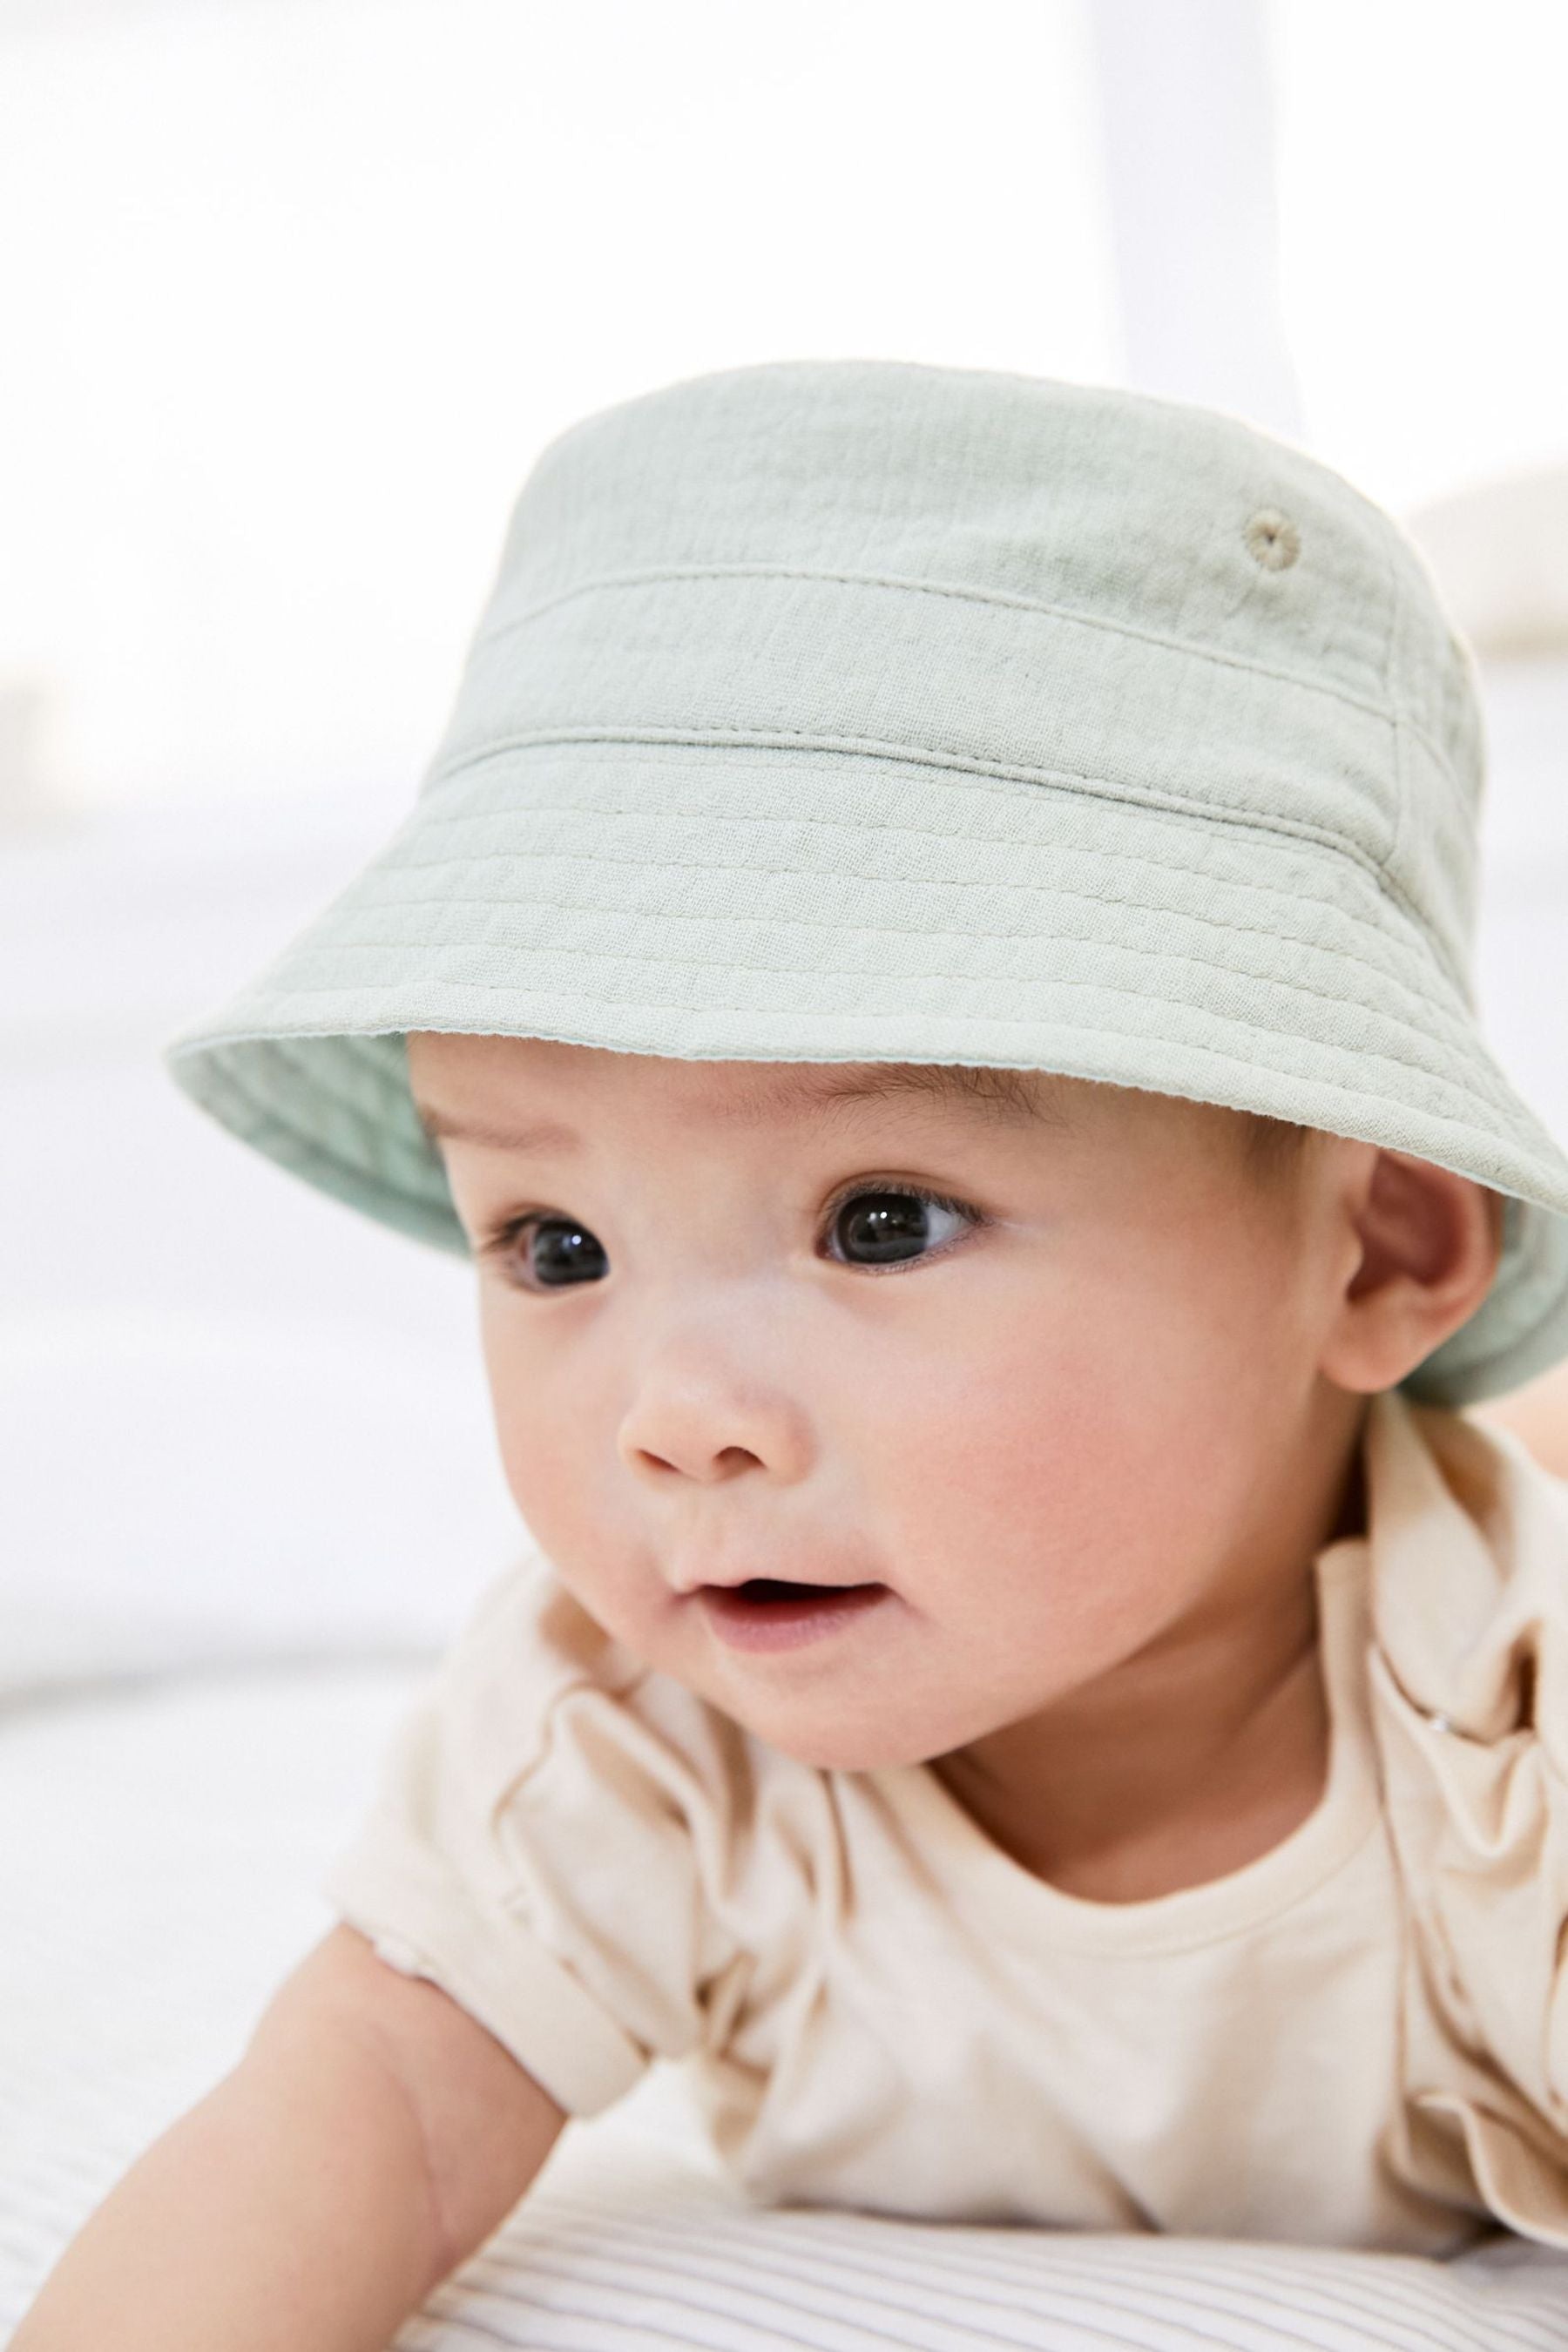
(1012, 1093)
(1018, 1096)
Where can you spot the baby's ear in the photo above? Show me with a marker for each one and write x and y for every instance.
(1427, 1245)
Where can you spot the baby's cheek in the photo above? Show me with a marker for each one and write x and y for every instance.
(992, 1437)
(542, 1459)
(539, 1478)
(1045, 1437)
(579, 1505)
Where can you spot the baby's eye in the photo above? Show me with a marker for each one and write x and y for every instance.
(893, 1224)
(557, 1252)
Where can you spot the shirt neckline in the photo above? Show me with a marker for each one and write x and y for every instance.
(1346, 1811)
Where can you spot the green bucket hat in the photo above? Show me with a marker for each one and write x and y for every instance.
(867, 710)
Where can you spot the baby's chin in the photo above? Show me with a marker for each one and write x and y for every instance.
(861, 1716)
(838, 1742)
(848, 1755)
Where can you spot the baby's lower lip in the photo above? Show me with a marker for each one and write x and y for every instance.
(786, 1625)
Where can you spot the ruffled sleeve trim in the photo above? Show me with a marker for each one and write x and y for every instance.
(1467, 1676)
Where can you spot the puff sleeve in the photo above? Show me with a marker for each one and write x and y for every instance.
(549, 1827)
(1469, 1683)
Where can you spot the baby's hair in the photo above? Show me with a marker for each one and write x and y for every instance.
(1273, 1146)
(1028, 1094)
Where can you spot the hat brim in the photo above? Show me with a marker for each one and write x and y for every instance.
(761, 902)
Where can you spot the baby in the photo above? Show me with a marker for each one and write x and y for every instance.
(929, 978)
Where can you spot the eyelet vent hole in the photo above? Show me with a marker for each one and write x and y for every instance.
(1272, 538)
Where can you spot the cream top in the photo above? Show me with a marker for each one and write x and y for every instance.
(1360, 2038)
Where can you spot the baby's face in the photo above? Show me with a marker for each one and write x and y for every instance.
(1035, 1368)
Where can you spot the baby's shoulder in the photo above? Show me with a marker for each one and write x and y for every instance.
(1467, 1554)
(1467, 1558)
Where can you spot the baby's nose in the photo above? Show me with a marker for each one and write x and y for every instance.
(708, 1425)
(693, 1461)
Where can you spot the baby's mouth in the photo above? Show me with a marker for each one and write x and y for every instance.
(774, 1613)
(762, 1591)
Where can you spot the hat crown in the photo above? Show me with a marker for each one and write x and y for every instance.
(722, 559)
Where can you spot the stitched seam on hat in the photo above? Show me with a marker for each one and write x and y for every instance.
(443, 819)
(345, 943)
(958, 589)
(446, 821)
(924, 756)
(1401, 805)
(1401, 764)
(1407, 728)
(1070, 896)
(916, 755)
(590, 810)
(1065, 780)
(1048, 981)
(987, 773)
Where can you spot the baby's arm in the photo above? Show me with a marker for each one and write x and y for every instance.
(371, 2137)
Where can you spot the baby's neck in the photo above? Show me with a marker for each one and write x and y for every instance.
(1159, 1820)
(1177, 1768)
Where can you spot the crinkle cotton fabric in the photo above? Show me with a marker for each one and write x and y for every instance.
(1360, 2038)
(864, 710)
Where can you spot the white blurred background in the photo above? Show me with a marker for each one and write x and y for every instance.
(291, 293)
